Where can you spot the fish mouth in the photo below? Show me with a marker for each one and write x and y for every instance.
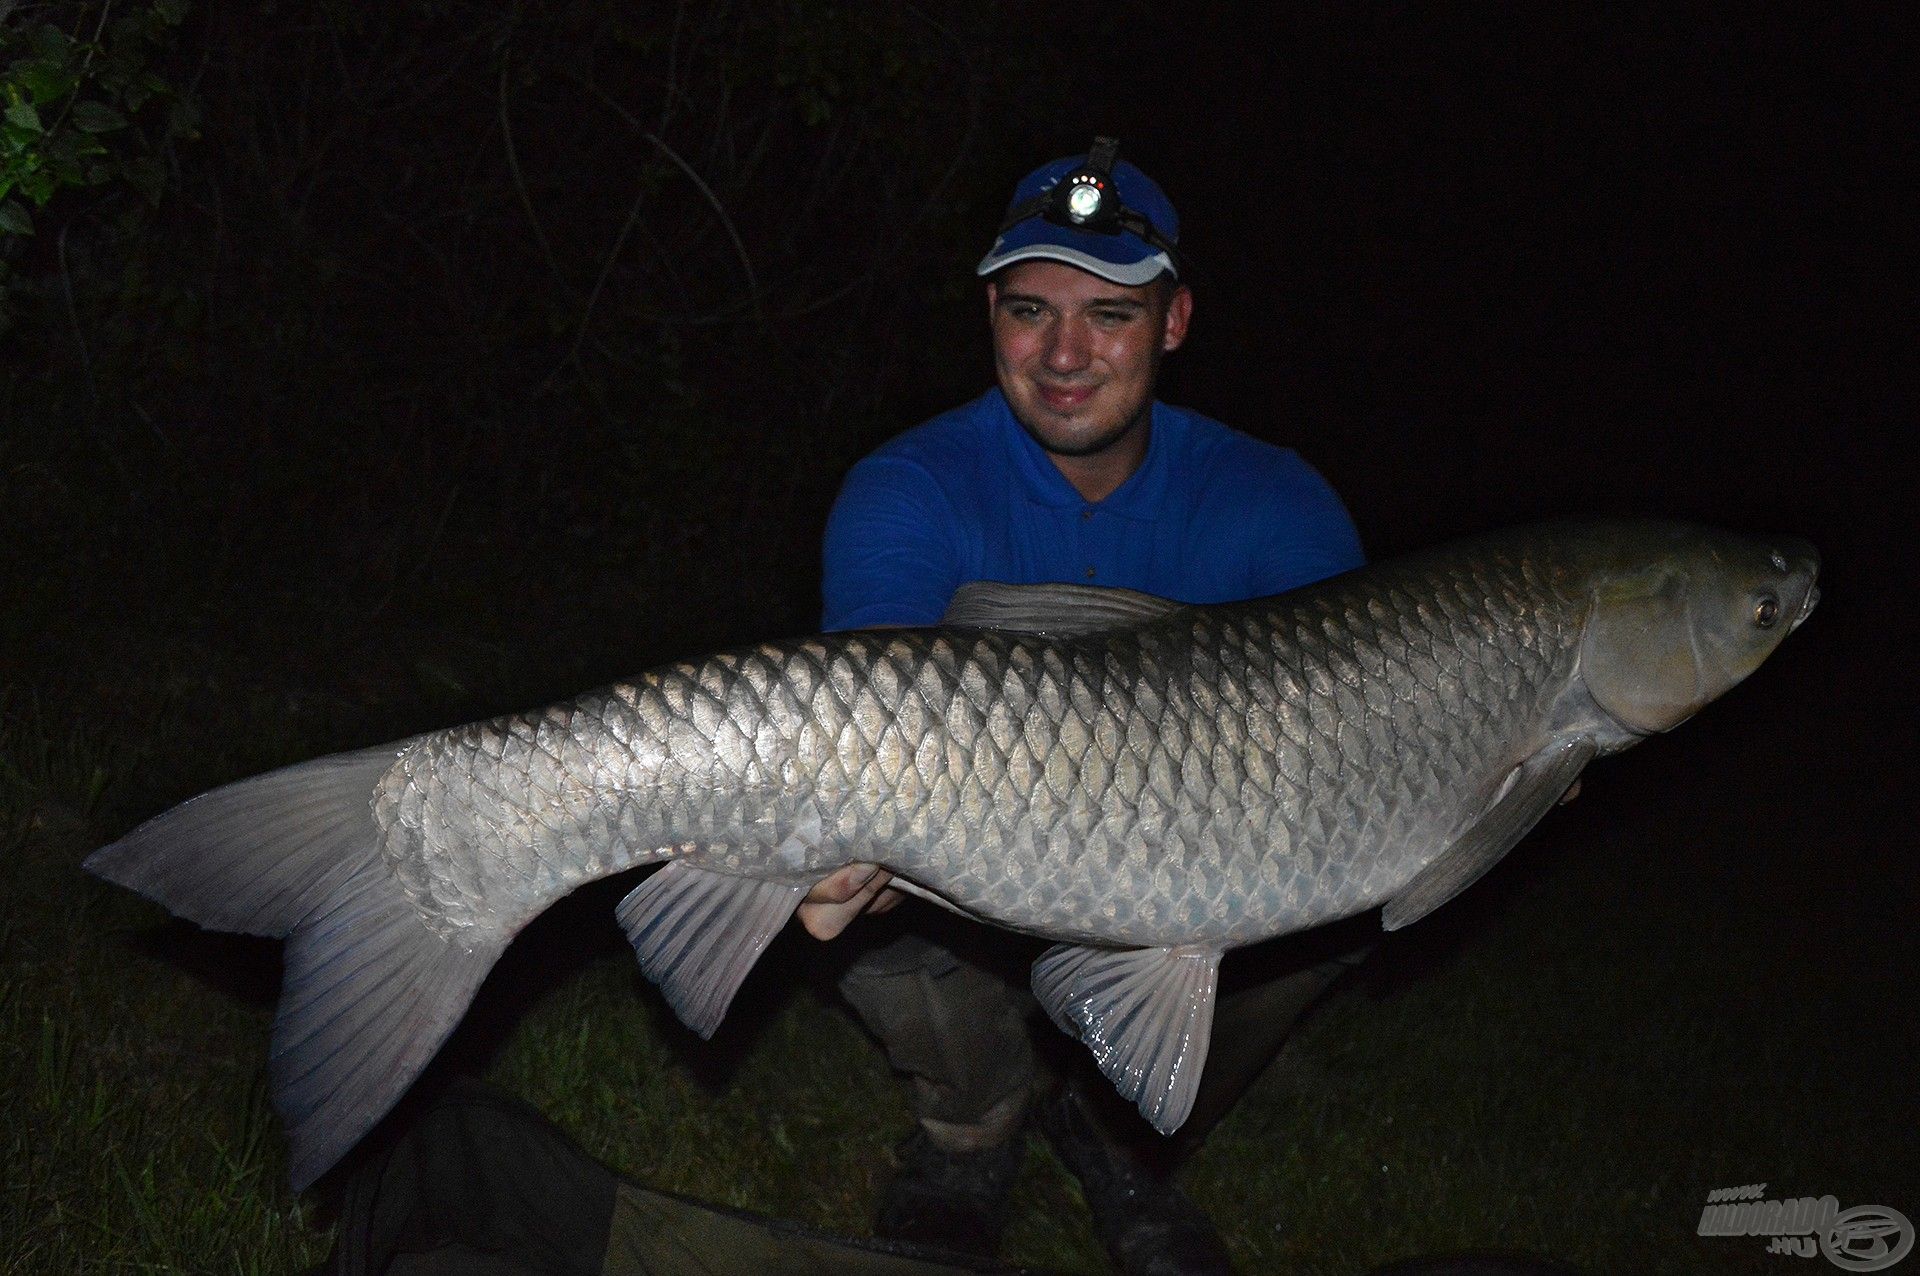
(1806, 607)
(1797, 558)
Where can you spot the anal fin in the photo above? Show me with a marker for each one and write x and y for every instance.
(1146, 1013)
(1536, 786)
(698, 933)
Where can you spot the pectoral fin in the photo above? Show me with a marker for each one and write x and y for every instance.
(698, 933)
(1146, 1013)
(1537, 785)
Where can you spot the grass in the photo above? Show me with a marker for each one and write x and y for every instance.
(1666, 991)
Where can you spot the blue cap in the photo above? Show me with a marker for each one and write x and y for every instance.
(1124, 258)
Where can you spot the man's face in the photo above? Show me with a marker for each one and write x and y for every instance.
(1076, 355)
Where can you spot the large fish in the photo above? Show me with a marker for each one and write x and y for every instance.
(1150, 783)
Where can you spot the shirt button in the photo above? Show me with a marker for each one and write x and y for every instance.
(1089, 573)
(1086, 514)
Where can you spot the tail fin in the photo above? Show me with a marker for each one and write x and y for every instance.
(370, 993)
(258, 855)
(369, 996)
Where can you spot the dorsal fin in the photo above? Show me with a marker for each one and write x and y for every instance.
(1058, 610)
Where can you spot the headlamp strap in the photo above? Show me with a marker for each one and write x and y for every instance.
(1101, 158)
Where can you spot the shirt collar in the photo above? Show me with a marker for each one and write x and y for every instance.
(1138, 498)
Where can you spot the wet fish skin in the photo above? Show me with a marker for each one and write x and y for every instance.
(1184, 781)
(1152, 782)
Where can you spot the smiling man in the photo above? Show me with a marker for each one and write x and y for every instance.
(1076, 356)
(1067, 470)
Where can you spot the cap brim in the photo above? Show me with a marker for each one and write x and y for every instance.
(1128, 274)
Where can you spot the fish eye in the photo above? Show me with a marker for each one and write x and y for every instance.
(1766, 611)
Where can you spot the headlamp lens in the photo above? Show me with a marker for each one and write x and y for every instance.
(1083, 201)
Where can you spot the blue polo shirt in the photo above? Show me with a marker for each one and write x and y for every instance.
(1211, 515)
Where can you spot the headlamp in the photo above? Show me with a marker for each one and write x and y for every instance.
(1087, 199)
(1083, 201)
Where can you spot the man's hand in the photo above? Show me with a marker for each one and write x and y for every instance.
(850, 891)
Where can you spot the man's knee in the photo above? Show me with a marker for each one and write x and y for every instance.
(957, 1031)
(906, 955)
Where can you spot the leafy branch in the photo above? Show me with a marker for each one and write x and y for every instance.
(84, 105)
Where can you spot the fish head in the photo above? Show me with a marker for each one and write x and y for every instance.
(1681, 614)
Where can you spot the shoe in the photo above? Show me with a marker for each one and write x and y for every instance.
(956, 1201)
(1147, 1226)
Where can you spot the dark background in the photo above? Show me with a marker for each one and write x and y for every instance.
(406, 368)
(1479, 264)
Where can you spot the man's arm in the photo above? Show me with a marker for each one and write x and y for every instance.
(1308, 534)
(890, 557)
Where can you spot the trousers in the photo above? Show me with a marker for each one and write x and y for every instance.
(950, 1006)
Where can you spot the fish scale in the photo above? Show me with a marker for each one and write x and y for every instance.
(728, 759)
(1149, 782)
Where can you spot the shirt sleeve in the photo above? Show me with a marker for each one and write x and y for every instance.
(1314, 536)
(891, 557)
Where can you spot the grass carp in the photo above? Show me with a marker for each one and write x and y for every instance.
(1148, 782)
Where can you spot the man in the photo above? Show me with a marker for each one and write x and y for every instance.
(1067, 470)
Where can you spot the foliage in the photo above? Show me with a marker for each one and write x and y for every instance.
(85, 105)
